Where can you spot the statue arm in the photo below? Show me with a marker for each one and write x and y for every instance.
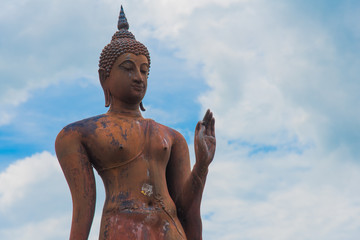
(185, 186)
(80, 178)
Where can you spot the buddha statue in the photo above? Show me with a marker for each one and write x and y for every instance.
(151, 190)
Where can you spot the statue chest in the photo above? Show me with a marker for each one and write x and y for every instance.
(114, 144)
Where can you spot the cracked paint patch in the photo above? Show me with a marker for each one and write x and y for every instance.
(147, 189)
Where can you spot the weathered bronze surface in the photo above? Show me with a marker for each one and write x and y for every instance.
(151, 192)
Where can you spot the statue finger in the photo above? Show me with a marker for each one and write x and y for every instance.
(200, 128)
(209, 117)
(206, 117)
(208, 126)
(212, 127)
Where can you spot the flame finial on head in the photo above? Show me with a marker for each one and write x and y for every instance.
(122, 23)
(123, 27)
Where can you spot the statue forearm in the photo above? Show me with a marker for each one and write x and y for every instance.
(81, 221)
(189, 213)
(83, 192)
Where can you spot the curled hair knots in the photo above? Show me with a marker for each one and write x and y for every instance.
(118, 47)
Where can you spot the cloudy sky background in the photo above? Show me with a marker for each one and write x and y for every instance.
(282, 78)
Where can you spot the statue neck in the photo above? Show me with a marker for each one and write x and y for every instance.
(126, 110)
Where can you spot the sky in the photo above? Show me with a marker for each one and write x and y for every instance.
(282, 78)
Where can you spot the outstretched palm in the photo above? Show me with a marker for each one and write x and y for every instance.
(205, 141)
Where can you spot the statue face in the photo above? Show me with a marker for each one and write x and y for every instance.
(128, 78)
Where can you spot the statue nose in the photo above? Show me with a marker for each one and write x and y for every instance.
(137, 76)
(138, 81)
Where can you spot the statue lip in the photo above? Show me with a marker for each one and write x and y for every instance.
(138, 87)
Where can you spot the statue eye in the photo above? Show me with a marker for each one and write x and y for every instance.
(144, 69)
(126, 67)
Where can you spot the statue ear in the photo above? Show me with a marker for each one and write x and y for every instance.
(107, 93)
(102, 76)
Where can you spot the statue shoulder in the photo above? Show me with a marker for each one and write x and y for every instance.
(74, 131)
(175, 135)
(85, 125)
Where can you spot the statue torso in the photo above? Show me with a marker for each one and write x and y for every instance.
(131, 155)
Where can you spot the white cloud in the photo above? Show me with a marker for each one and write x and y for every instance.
(52, 228)
(18, 178)
(35, 201)
(281, 197)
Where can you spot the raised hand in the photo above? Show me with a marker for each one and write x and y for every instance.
(205, 142)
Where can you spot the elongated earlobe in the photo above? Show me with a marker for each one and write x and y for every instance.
(107, 94)
(142, 107)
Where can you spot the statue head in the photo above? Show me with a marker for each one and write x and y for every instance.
(122, 42)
